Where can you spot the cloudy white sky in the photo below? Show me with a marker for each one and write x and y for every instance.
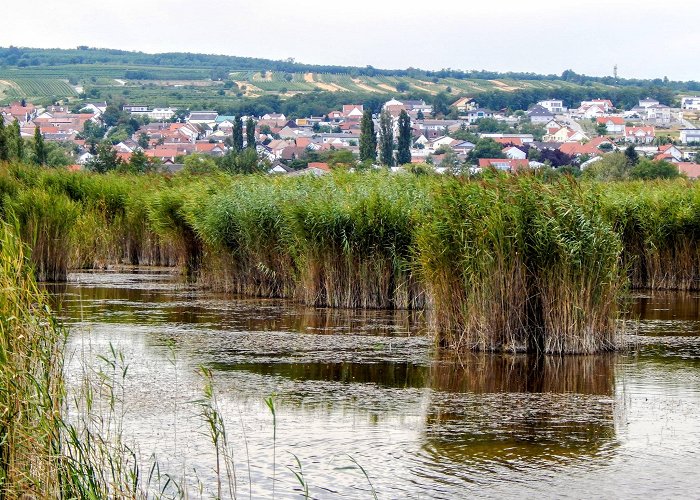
(645, 39)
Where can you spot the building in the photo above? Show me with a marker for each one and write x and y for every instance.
(554, 106)
(464, 104)
(640, 135)
(540, 115)
(690, 136)
(613, 124)
(690, 102)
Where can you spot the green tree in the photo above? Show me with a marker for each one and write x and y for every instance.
(237, 138)
(648, 169)
(111, 116)
(105, 160)
(4, 149)
(486, 148)
(386, 138)
(40, 153)
(613, 167)
(200, 164)
(250, 132)
(368, 137)
(143, 140)
(403, 155)
(15, 141)
(631, 155)
(601, 129)
(246, 161)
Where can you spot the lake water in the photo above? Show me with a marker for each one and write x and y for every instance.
(368, 391)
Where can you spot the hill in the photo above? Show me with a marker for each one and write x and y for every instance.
(228, 83)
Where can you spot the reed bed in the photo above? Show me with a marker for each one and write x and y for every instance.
(505, 263)
(517, 264)
(30, 379)
(659, 224)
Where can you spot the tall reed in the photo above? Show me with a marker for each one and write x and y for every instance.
(31, 389)
(517, 264)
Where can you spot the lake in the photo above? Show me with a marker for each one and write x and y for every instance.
(367, 403)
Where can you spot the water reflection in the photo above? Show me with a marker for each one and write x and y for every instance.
(518, 411)
(371, 384)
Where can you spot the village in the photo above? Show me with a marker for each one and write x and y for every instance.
(471, 138)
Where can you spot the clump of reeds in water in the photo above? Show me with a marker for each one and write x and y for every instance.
(659, 223)
(342, 241)
(515, 264)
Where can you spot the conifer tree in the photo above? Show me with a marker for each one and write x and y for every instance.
(40, 152)
(237, 134)
(15, 138)
(250, 132)
(386, 135)
(368, 138)
(4, 149)
(403, 156)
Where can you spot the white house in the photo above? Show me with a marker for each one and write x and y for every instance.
(640, 135)
(648, 102)
(613, 124)
(690, 135)
(514, 153)
(555, 106)
(690, 102)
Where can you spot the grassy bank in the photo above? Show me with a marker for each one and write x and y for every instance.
(503, 263)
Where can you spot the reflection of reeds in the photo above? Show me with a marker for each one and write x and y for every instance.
(494, 373)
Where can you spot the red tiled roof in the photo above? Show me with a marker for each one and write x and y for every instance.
(616, 120)
(692, 170)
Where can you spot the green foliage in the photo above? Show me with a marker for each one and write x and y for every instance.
(250, 132)
(368, 137)
(613, 167)
(386, 139)
(647, 170)
(105, 160)
(403, 155)
(486, 148)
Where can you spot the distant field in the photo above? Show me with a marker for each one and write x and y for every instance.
(186, 87)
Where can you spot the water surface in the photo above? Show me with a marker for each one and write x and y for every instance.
(370, 388)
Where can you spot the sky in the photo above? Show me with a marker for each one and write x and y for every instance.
(645, 39)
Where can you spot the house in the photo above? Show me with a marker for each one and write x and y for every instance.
(604, 104)
(278, 167)
(690, 136)
(464, 104)
(503, 164)
(353, 111)
(135, 109)
(690, 102)
(554, 106)
(672, 151)
(473, 115)
(516, 139)
(202, 117)
(648, 102)
(613, 124)
(690, 170)
(640, 135)
(274, 117)
(514, 153)
(594, 111)
(566, 134)
(540, 115)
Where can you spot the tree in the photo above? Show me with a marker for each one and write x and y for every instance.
(105, 160)
(631, 155)
(648, 169)
(486, 148)
(368, 137)
(613, 167)
(40, 153)
(420, 115)
(601, 129)
(441, 104)
(143, 140)
(250, 132)
(199, 164)
(15, 141)
(386, 139)
(246, 161)
(402, 87)
(403, 156)
(111, 115)
(237, 134)
(4, 149)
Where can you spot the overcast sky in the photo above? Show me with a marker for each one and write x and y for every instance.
(645, 39)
